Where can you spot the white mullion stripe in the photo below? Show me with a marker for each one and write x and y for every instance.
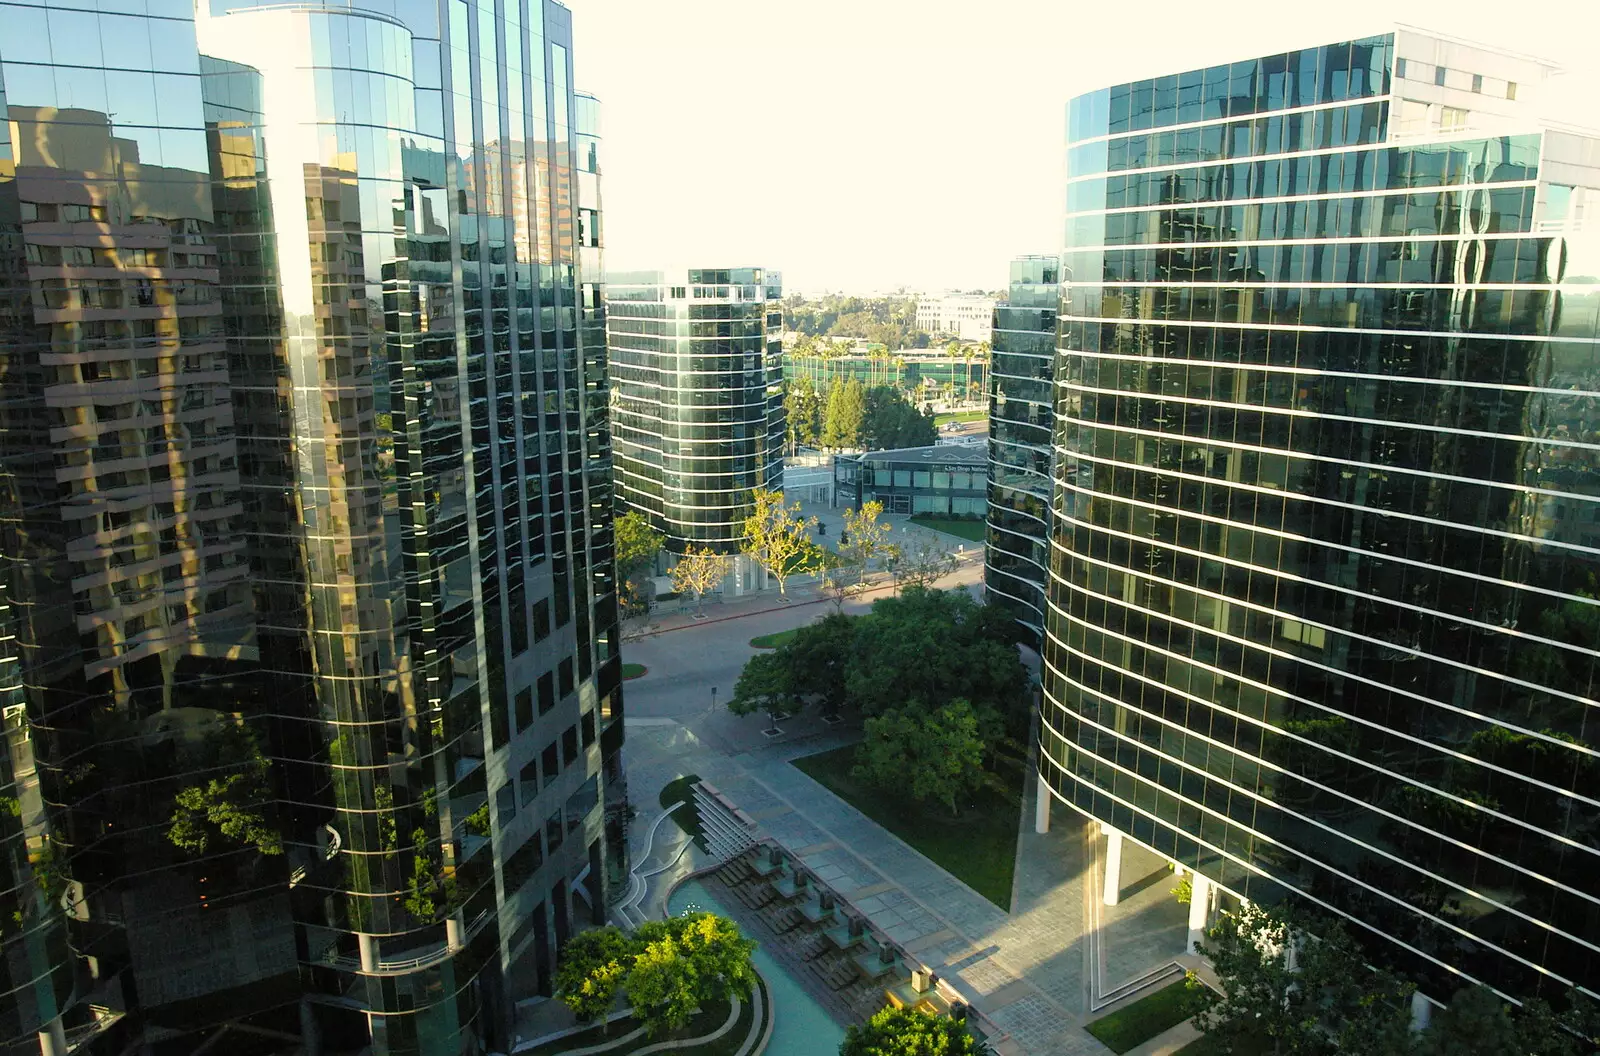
(1308, 328)
(1280, 654)
(1338, 375)
(1258, 798)
(1252, 867)
(1261, 489)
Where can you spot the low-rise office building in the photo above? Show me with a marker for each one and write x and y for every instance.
(947, 480)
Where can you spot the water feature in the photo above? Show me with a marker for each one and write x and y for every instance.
(800, 1026)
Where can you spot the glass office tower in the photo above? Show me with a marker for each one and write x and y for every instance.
(1323, 598)
(309, 648)
(697, 381)
(1020, 421)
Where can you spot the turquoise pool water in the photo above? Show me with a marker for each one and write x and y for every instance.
(800, 1026)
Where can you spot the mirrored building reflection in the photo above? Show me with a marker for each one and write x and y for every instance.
(308, 636)
(1323, 569)
(1020, 422)
(697, 383)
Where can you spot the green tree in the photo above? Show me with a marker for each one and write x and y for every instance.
(637, 543)
(684, 962)
(935, 755)
(907, 1032)
(778, 539)
(936, 646)
(1263, 994)
(846, 410)
(1303, 983)
(660, 986)
(698, 572)
(889, 420)
(590, 971)
(802, 406)
(767, 684)
(818, 657)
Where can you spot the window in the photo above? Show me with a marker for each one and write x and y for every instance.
(1400, 69)
(529, 779)
(1511, 89)
(547, 692)
(569, 746)
(566, 676)
(524, 709)
(1452, 119)
(1438, 76)
(549, 763)
(1477, 82)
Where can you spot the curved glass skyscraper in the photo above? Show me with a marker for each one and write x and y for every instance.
(1020, 420)
(308, 645)
(1323, 615)
(697, 383)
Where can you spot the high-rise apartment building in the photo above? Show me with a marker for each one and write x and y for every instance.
(697, 412)
(309, 642)
(1021, 417)
(1323, 599)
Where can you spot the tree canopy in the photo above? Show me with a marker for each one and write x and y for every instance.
(926, 646)
(845, 415)
(907, 1032)
(889, 321)
(930, 755)
(667, 968)
(891, 421)
(637, 543)
(802, 407)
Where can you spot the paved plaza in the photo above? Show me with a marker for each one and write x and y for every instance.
(1036, 972)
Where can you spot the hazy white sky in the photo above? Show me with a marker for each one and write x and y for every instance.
(868, 144)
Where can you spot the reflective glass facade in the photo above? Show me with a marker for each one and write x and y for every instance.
(308, 505)
(697, 397)
(1020, 422)
(1322, 599)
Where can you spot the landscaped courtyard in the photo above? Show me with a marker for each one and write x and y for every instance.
(977, 846)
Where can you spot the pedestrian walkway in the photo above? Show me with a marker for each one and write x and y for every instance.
(1027, 971)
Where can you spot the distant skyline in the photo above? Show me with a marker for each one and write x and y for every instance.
(873, 144)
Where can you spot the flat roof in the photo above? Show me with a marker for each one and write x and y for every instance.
(971, 454)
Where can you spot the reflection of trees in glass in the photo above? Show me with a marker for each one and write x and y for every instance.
(232, 804)
(430, 894)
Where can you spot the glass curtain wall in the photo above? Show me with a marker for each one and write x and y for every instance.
(308, 643)
(1322, 597)
(1020, 420)
(697, 379)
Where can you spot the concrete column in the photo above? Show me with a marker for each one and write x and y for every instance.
(369, 951)
(53, 1039)
(452, 931)
(1421, 1011)
(1113, 891)
(1199, 908)
(1041, 808)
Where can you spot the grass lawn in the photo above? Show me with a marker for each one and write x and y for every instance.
(633, 671)
(960, 416)
(772, 641)
(1146, 1017)
(979, 847)
(1206, 1045)
(681, 790)
(973, 530)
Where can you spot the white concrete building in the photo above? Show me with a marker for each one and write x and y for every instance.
(969, 316)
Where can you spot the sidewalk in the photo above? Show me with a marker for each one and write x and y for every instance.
(1026, 970)
(802, 591)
